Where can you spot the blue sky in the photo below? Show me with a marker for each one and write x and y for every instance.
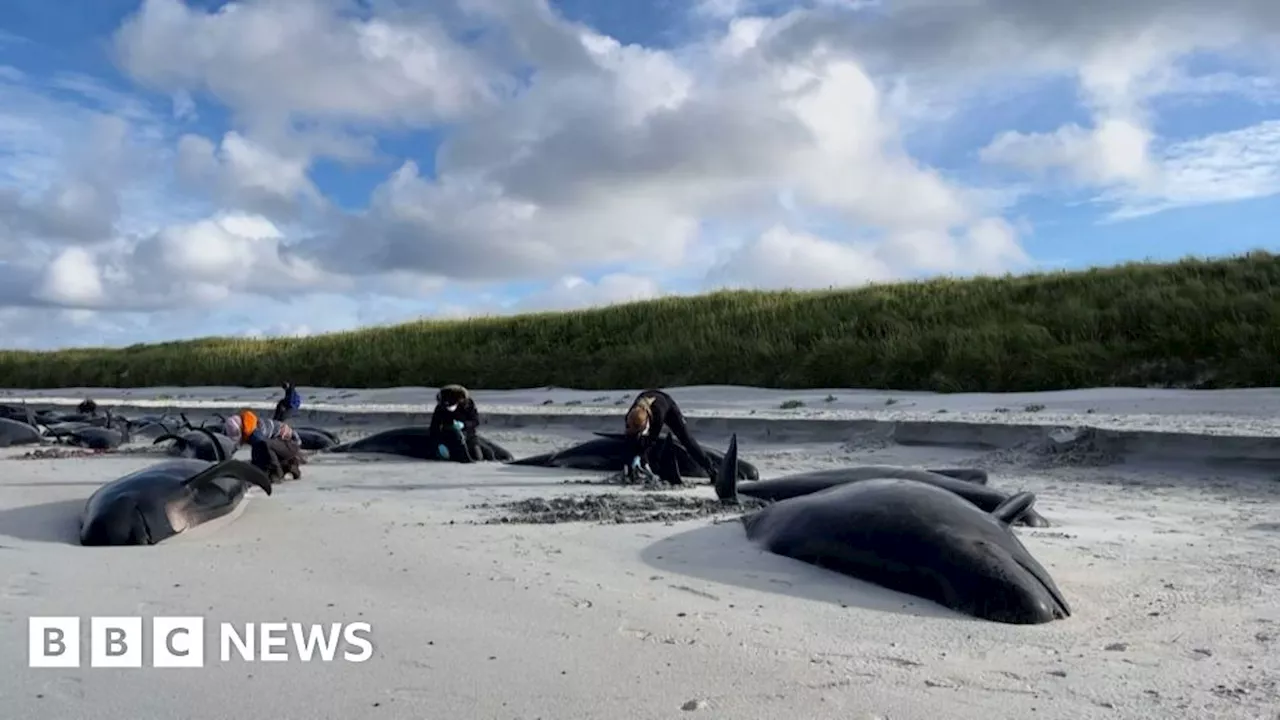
(175, 169)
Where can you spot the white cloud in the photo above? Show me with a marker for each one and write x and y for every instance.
(576, 293)
(1116, 151)
(73, 279)
(783, 259)
(1223, 167)
(624, 152)
(274, 61)
(769, 150)
(1120, 73)
(244, 174)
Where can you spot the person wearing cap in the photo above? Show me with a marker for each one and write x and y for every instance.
(288, 404)
(651, 410)
(275, 448)
(453, 425)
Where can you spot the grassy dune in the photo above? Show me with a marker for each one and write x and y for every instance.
(1194, 323)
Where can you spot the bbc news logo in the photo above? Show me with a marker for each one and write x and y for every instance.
(179, 642)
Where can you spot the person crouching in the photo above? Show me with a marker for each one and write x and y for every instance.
(453, 425)
(274, 448)
(649, 413)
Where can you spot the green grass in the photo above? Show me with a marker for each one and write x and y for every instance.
(1194, 323)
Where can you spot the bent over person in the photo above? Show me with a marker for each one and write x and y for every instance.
(274, 447)
(651, 410)
(453, 425)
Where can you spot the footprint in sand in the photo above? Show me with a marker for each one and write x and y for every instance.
(64, 688)
(575, 601)
(28, 585)
(646, 636)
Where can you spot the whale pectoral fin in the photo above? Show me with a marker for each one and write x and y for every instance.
(231, 468)
(727, 482)
(1010, 510)
(178, 439)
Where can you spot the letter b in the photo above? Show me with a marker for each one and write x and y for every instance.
(53, 642)
(115, 642)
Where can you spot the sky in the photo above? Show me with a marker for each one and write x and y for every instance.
(179, 168)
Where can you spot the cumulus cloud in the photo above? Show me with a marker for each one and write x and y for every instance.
(273, 62)
(68, 167)
(622, 152)
(769, 147)
(244, 174)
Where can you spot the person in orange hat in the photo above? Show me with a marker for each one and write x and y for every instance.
(651, 410)
(274, 445)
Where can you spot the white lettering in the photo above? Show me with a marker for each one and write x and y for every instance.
(243, 644)
(328, 646)
(350, 635)
(269, 639)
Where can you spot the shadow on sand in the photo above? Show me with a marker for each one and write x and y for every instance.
(51, 522)
(721, 553)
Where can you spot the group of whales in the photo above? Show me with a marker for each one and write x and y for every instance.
(940, 534)
(21, 425)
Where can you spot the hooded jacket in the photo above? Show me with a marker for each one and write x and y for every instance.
(454, 402)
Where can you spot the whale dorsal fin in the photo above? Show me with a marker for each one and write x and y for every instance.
(218, 451)
(727, 482)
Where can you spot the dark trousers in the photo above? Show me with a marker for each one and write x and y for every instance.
(462, 448)
(283, 411)
(275, 457)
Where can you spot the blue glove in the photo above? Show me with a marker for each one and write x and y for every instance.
(444, 452)
(457, 425)
(635, 462)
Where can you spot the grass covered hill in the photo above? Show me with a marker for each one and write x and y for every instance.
(1194, 323)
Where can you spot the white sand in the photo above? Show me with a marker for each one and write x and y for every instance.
(1179, 565)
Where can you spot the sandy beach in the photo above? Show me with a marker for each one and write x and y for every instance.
(1171, 568)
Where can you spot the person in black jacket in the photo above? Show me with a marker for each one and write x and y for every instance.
(288, 404)
(651, 410)
(454, 423)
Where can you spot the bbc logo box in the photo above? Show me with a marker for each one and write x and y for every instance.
(115, 642)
